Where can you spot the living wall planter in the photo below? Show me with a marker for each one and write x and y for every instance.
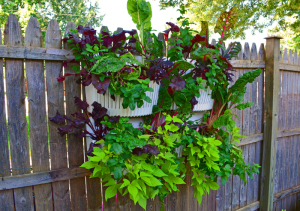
(115, 107)
(205, 102)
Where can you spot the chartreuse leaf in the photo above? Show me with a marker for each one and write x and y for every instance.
(183, 65)
(89, 165)
(243, 106)
(111, 191)
(126, 182)
(142, 202)
(159, 173)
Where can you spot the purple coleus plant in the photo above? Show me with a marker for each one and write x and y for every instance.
(80, 120)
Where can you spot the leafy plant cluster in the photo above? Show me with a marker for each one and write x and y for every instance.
(147, 162)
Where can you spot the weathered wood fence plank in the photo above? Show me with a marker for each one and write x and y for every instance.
(39, 178)
(6, 196)
(75, 144)
(55, 97)
(18, 135)
(37, 116)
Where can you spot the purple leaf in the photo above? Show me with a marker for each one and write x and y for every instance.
(65, 130)
(80, 120)
(148, 149)
(81, 104)
(114, 119)
(177, 83)
(58, 119)
(101, 86)
(98, 112)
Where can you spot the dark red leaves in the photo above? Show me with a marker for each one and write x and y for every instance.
(174, 28)
(66, 130)
(98, 113)
(81, 104)
(198, 38)
(61, 79)
(101, 86)
(148, 149)
(81, 120)
(229, 65)
(58, 119)
(177, 83)
(170, 91)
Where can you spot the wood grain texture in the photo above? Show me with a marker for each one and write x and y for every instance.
(55, 97)
(75, 144)
(37, 115)
(37, 53)
(25, 180)
(18, 135)
(6, 196)
(271, 123)
(228, 194)
(220, 196)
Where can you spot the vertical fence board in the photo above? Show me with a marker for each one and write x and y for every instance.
(55, 96)
(6, 196)
(245, 127)
(220, 196)
(204, 204)
(236, 181)
(37, 115)
(75, 144)
(184, 194)
(18, 135)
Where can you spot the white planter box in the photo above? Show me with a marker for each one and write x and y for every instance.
(115, 108)
(205, 102)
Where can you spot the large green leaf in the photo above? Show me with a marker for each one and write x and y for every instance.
(248, 77)
(140, 12)
(233, 49)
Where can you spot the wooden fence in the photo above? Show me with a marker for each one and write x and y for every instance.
(46, 176)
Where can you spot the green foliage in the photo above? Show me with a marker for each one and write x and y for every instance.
(250, 13)
(81, 12)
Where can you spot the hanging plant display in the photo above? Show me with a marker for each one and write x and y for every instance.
(145, 162)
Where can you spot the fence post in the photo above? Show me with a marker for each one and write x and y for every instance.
(271, 122)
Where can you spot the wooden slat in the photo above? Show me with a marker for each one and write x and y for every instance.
(228, 194)
(220, 196)
(37, 115)
(36, 53)
(184, 194)
(6, 196)
(93, 186)
(251, 207)
(18, 135)
(211, 201)
(236, 181)
(204, 204)
(245, 128)
(271, 125)
(258, 160)
(172, 201)
(287, 192)
(75, 144)
(55, 97)
(25, 180)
